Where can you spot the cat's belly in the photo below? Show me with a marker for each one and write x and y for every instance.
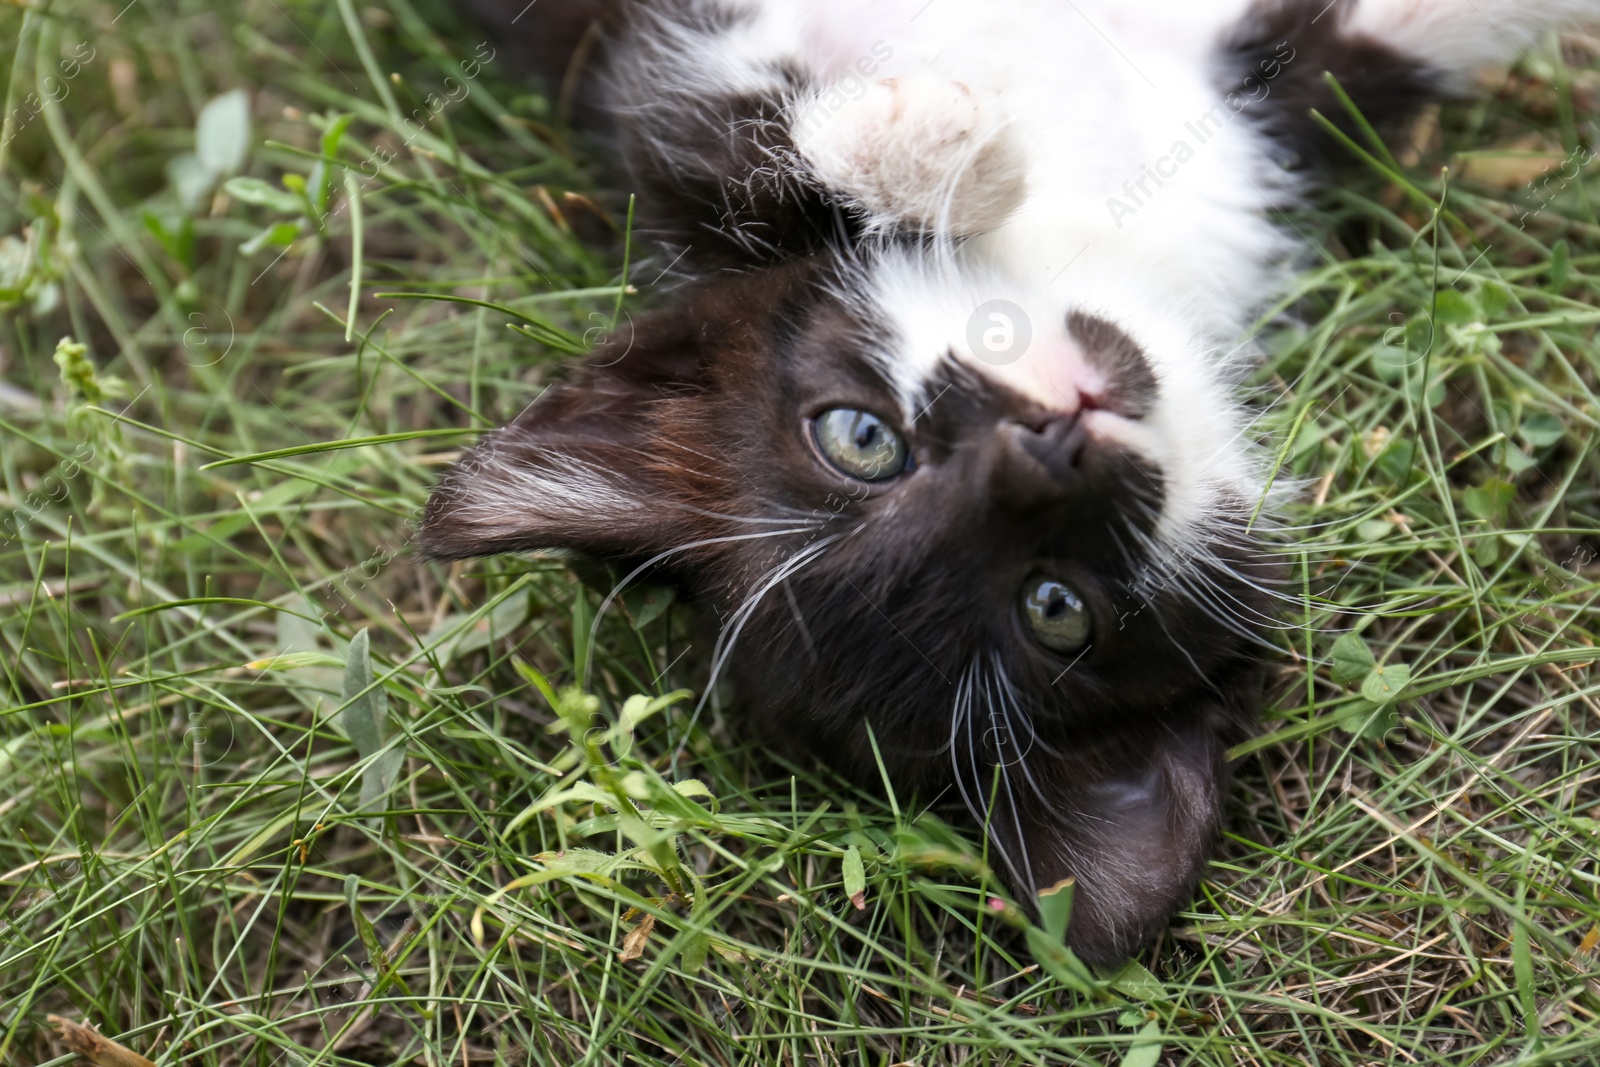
(1142, 185)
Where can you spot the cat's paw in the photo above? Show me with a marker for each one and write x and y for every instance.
(919, 152)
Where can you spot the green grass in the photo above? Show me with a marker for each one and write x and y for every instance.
(235, 831)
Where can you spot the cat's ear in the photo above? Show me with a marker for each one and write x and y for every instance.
(583, 467)
(1132, 825)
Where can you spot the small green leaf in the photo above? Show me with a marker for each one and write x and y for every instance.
(697, 944)
(322, 174)
(1146, 1048)
(175, 235)
(382, 968)
(693, 787)
(582, 617)
(364, 928)
(1494, 298)
(1516, 460)
(261, 194)
(1385, 684)
(855, 878)
(646, 603)
(1136, 981)
(1419, 335)
(1352, 659)
(334, 134)
(1541, 430)
(1490, 500)
(1055, 908)
(1375, 723)
(1452, 308)
(222, 134)
(365, 720)
(1389, 362)
(1560, 263)
(191, 180)
(1060, 962)
(278, 235)
(638, 708)
(579, 861)
(1396, 460)
(1486, 553)
(1374, 530)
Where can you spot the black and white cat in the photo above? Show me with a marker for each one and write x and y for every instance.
(944, 423)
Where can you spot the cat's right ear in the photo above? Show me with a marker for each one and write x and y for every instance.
(589, 466)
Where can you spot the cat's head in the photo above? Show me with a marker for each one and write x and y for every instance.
(1029, 577)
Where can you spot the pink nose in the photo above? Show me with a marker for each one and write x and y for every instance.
(1054, 374)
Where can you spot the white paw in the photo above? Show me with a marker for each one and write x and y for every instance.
(918, 152)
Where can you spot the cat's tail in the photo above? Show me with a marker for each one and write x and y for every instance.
(1390, 56)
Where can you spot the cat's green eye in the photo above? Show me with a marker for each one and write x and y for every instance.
(860, 444)
(1056, 614)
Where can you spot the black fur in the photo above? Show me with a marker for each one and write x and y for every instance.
(721, 185)
(906, 621)
(1277, 60)
(718, 181)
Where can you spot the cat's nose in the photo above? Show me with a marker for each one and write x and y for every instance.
(1039, 458)
(1056, 441)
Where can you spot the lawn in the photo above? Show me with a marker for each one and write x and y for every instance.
(275, 792)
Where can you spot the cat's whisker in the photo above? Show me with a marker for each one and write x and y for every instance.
(1216, 604)
(735, 626)
(980, 684)
(605, 604)
(977, 796)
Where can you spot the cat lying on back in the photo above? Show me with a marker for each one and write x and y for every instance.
(944, 423)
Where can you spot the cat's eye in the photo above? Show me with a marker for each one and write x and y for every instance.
(860, 444)
(1056, 614)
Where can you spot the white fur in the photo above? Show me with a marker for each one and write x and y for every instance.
(920, 152)
(1461, 37)
(1087, 146)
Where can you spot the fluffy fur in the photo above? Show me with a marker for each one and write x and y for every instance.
(847, 191)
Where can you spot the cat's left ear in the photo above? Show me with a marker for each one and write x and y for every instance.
(1131, 822)
(583, 467)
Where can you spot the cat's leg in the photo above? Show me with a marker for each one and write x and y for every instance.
(919, 152)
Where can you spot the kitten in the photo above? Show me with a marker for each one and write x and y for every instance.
(944, 424)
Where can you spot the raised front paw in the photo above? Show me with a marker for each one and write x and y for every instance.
(920, 152)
